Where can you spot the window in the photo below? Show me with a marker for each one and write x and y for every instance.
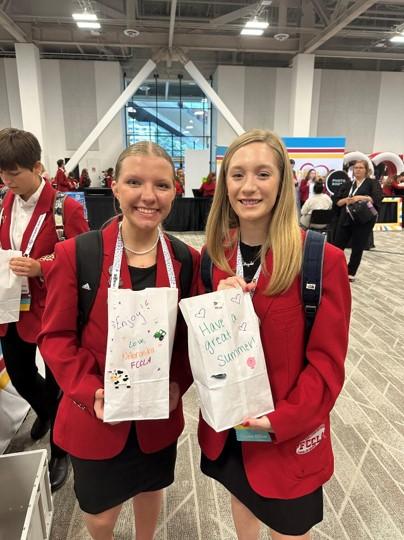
(174, 114)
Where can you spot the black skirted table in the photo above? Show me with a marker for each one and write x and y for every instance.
(187, 214)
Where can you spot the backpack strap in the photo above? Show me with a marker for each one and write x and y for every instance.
(183, 255)
(312, 276)
(89, 259)
(58, 214)
(206, 271)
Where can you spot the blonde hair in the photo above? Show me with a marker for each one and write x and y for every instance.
(284, 235)
(143, 148)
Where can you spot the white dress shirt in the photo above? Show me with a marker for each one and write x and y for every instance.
(21, 214)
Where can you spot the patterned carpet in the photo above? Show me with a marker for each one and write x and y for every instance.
(365, 498)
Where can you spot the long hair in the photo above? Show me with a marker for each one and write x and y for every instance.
(283, 237)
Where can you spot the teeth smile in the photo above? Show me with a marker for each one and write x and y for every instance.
(249, 202)
(146, 210)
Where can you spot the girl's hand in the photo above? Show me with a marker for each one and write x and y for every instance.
(99, 403)
(258, 424)
(236, 282)
(25, 266)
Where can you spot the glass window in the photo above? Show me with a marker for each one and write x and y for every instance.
(174, 114)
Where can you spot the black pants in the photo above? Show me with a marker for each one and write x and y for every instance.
(41, 393)
(359, 235)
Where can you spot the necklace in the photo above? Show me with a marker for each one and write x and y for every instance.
(145, 251)
(251, 263)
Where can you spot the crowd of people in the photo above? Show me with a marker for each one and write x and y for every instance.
(255, 244)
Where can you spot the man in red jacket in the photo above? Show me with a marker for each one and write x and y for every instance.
(61, 179)
(27, 224)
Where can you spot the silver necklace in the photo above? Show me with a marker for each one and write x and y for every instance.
(146, 250)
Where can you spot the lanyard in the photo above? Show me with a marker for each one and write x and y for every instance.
(351, 191)
(116, 267)
(34, 234)
(239, 267)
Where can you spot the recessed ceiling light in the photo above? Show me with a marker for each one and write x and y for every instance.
(198, 113)
(251, 32)
(85, 16)
(186, 132)
(257, 24)
(88, 24)
(397, 39)
(131, 32)
(281, 36)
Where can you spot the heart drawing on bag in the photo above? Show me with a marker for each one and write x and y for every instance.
(251, 362)
(236, 299)
(243, 326)
(201, 314)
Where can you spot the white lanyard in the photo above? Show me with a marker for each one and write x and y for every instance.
(34, 234)
(352, 192)
(116, 267)
(239, 267)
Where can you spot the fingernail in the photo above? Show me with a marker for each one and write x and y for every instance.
(246, 423)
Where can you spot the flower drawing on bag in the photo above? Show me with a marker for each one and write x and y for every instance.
(251, 362)
(119, 377)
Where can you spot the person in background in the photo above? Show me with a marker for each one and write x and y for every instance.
(181, 176)
(387, 185)
(208, 187)
(109, 178)
(61, 180)
(398, 185)
(135, 460)
(319, 201)
(85, 180)
(179, 184)
(362, 188)
(73, 183)
(306, 186)
(278, 481)
(29, 203)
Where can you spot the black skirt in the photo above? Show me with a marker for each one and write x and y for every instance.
(102, 484)
(286, 516)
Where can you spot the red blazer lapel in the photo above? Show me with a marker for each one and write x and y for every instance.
(43, 206)
(6, 220)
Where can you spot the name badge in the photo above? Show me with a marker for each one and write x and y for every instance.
(244, 434)
(25, 302)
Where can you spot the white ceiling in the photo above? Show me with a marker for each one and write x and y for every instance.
(342, 34)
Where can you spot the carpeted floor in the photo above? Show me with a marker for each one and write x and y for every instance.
(365, 498)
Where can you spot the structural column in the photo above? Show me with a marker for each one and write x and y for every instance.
(301, 95)
(30, 84)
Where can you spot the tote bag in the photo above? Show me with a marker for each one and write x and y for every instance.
(141, 328)
(10, 288)
(226, 356)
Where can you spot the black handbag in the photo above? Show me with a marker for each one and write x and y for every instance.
(361, 212)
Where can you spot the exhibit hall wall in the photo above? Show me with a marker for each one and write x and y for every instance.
(365, 107)
(76, 96)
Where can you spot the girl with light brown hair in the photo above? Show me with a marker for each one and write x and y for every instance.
(255, 244)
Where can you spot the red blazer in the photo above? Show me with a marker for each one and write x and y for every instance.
(305, 383)
(74, 223)
(207, 189)
(79, 363)
(62, 181)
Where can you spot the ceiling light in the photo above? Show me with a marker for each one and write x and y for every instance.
(198, 113)
(85, 16)
(251, 32)
(397, 39)
(186, 132)
(189, 127)
(85, 24)
(256, 24)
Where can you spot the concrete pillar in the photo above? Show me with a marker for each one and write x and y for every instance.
(301, 95)
(30, 85)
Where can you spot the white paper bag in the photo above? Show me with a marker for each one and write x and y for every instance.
(226, 356)
(141, 328)
(10, 288)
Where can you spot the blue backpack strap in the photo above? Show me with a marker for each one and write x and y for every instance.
(312, 276)
(206, 270)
